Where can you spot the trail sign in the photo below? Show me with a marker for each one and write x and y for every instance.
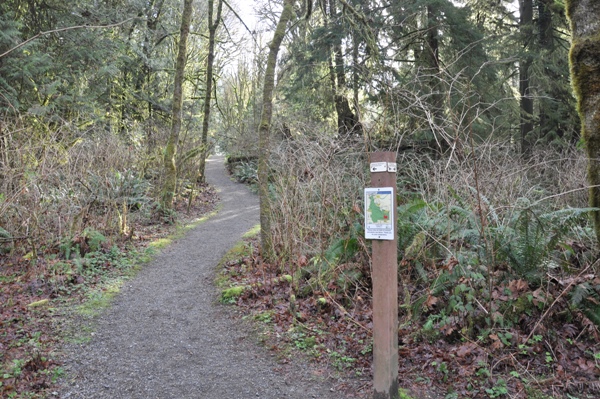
(380, 222)
(379, 213)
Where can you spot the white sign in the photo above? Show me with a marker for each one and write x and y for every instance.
(383, 167)
(379, 167)
(379, 213)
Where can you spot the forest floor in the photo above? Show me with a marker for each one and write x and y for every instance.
(160, 333)
(106, 328)
(166, 336)
(334, 330)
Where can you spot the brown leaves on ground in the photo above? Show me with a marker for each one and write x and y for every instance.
(30, 326)
(463, 357)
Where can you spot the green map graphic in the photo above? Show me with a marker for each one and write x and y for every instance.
(378, 211)
(377, 214)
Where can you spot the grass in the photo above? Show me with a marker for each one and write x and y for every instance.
(253, 232)
(99, 300)
(180, 231)
(403, 394)
(241, 249)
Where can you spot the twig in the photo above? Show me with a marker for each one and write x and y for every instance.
(14, 238)
(563, 193)
(63, 30)
(559, 297)
(345, 312)
(252, 33)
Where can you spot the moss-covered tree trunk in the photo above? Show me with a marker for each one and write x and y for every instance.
(170, 178)
(584, 58)
(264, 129)
(210, 60)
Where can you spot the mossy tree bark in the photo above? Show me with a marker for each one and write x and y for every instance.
(170, 178)
(264, 129)
(213, 25)
(584, 58)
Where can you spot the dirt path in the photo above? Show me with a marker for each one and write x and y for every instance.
(167, 337)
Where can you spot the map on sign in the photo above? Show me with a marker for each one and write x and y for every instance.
(379, 213)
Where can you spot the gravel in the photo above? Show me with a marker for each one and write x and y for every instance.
(166, 335)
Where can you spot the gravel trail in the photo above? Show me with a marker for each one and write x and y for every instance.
(165, 336)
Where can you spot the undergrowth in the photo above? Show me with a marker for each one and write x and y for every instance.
(498, 269)
(58, 299)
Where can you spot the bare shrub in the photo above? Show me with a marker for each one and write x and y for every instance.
(555, 180)
(56, 183)
(317, 184)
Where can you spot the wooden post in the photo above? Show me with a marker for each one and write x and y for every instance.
(385, 294)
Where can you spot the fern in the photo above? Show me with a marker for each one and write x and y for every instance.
(421, 271)
(5, 234)
(593, 313)
(580, 292)
(586, 298)
(528, 243)
(443, 282)
(491, 211)
(343, 248)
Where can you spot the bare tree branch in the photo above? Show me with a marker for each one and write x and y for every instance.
(18, 46)
(240, 19)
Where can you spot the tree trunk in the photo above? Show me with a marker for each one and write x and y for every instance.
(432, 61)
(549, 109)
(264, 130)
(585, 77)
(170, 178)
(526, 102)
(347, 121)
(212, 33)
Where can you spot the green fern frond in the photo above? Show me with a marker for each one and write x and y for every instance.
(443, 281)
(580, 292)
(411, 208)
(421, 271)
(343, 248)
(471, 236)
(532, 237)
(411, 216)
(5, 234)
(491, 211)
(464, 215)
(592, 313)
(417, 307)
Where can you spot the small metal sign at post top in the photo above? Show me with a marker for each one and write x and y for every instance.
(379, 167)
(383, 167)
